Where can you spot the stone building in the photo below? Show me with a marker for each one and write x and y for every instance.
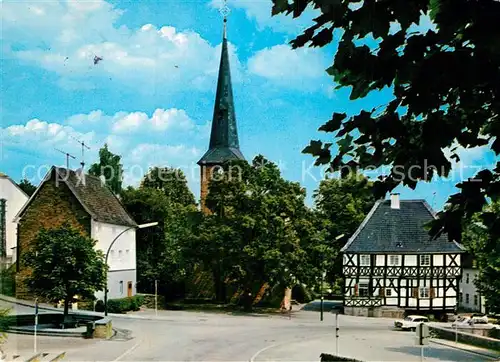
(86, 203)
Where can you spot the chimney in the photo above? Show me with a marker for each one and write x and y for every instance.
(395, 201)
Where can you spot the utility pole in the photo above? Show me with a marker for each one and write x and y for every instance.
(84, 146)
(68, 155)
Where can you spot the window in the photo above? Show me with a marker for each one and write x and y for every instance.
(460, 297)
(467, 278)
(364, 260)
(393, 259)
(425, 260)
(364, 290)
(424, 292)
(121, 286)
(475, 299)
(467, 298)
(388, 292)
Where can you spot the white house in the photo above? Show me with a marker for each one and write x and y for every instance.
(469, 298)
(391, 264)
(12, 198)
(87, 203)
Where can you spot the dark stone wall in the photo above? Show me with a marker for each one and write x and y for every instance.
(466, 338)
(53, 206)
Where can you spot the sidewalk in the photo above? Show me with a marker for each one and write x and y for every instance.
(468, 348)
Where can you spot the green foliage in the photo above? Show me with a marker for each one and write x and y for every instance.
(161, 249)
(341, 205)
(3, 336)
(436, 105)
(123, 305)
(110, 167)
(99, 306)
(172, 182)
(64, 263)
(256, 229)
(485, 249)
(27, 187)
(8, 281)
(301, 294)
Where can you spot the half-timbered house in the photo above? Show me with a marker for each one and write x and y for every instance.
(392, 266)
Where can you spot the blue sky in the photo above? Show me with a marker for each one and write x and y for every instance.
(151, 97)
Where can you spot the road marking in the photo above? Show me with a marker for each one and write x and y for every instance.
(256, 354)
(128, 351)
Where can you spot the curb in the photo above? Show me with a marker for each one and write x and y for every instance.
(493, 355)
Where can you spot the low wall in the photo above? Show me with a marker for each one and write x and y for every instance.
(363, 311)
(466, 338)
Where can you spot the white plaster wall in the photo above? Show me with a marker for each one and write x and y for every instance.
(380, 260)
(438, 260)
(469, 288)
(16, 199)
(123, 253)
(410, 260)
(122, 257)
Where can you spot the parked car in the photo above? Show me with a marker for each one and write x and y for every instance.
(410, 322)
(470, 322)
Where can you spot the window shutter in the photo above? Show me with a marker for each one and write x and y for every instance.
(431, 293)
(381, 292)
(355, 290)
(415, 293)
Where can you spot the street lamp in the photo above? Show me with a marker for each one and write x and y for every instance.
(141, 226)
(323, 275)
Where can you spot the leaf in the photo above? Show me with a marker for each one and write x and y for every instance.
(279, 6)
(313, 148)
(334, 123)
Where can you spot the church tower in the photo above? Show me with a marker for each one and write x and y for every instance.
(224, 145)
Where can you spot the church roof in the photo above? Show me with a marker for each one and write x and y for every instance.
(224, 144)
(95, 197)
(389, 230)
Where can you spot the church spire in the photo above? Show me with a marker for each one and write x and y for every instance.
(224, 144)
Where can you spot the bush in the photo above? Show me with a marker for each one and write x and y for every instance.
(8, 281)
(124, 305)
(301, 294)
(99, 306)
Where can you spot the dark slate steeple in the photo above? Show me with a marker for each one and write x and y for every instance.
(224, 144)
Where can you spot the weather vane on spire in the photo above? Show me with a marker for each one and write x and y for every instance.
(224, 10)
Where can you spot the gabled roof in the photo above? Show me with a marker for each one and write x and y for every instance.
(388, 230)
(224, 144)
(97, 199)
(4, 176)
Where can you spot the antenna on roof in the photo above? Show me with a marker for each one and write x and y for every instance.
(68, 155)
(84, 146)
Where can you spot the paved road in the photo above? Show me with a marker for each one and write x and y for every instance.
(189, 336)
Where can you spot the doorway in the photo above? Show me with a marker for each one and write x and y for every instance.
(129, 289)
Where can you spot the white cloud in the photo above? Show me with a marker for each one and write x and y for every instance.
(169, 137)
(282, 64)
(64, 37)
(260, 11)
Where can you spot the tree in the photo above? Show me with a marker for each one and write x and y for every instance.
(27, 187)
(64, 263)
(110, 167)
(342, 205)
(487, 254)
(172, 182)
(253, 234)
(161, 249)
(445, 84)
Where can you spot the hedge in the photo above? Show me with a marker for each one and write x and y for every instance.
(122, 305)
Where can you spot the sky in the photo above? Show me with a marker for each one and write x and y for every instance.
(151, 96)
